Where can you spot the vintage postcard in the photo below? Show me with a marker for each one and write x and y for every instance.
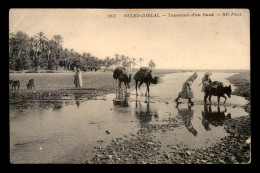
(129, 86)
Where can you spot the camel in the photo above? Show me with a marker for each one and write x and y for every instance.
(120, 75)
(144, 75)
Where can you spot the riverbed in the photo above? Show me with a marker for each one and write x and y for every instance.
(72, 133)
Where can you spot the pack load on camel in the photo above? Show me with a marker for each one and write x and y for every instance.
(118, 71)
(144, 72)
(144, 75)
(120, 74)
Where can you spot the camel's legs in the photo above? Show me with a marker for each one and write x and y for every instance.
(119, 84)
(126, 87)
(147, 90)
(116, 89)
(136, 82)
(210, 110)
(140, 86)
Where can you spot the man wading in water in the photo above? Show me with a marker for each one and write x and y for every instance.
(206, 81)
(187, 92)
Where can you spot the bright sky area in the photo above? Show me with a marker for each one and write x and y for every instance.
(218, 42)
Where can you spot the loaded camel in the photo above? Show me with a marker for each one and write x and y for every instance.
(121, 76)
(144, 75)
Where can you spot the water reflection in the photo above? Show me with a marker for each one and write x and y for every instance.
(144, 114)
(121, 98)
(77, 103)
(215, 118)
(57, 106)
(187, 115)
(78, 97)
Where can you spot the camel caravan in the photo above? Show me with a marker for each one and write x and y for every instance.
(144, 75)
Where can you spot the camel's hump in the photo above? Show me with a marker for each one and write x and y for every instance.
(141, 74)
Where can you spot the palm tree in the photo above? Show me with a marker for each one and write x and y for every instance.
(107, 61)
(123, 58)
(19, 50)
(117, 59)
(39, 42)
(133, 63)
(66, 57)
(151, 64)
(127, 63)
(58, 39)
(140, 59)
(130, 65)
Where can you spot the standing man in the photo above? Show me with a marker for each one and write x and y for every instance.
(206, 81)
(187, 92)
(78, 78)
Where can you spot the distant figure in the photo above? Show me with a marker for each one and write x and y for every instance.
(187, 92)
(30, 84)
(14, 84)
(187, 115)
(78, 78)
(10, 82)
(206, 81)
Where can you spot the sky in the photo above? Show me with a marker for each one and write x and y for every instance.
(204, 42)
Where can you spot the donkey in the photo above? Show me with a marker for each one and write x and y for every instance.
(30, 84)
(14, 83)
(220, 91)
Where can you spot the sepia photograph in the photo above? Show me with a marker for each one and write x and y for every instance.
(129, 86)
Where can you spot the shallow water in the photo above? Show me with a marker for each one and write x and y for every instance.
(69, 133)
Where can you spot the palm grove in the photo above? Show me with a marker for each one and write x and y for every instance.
(38, 52)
